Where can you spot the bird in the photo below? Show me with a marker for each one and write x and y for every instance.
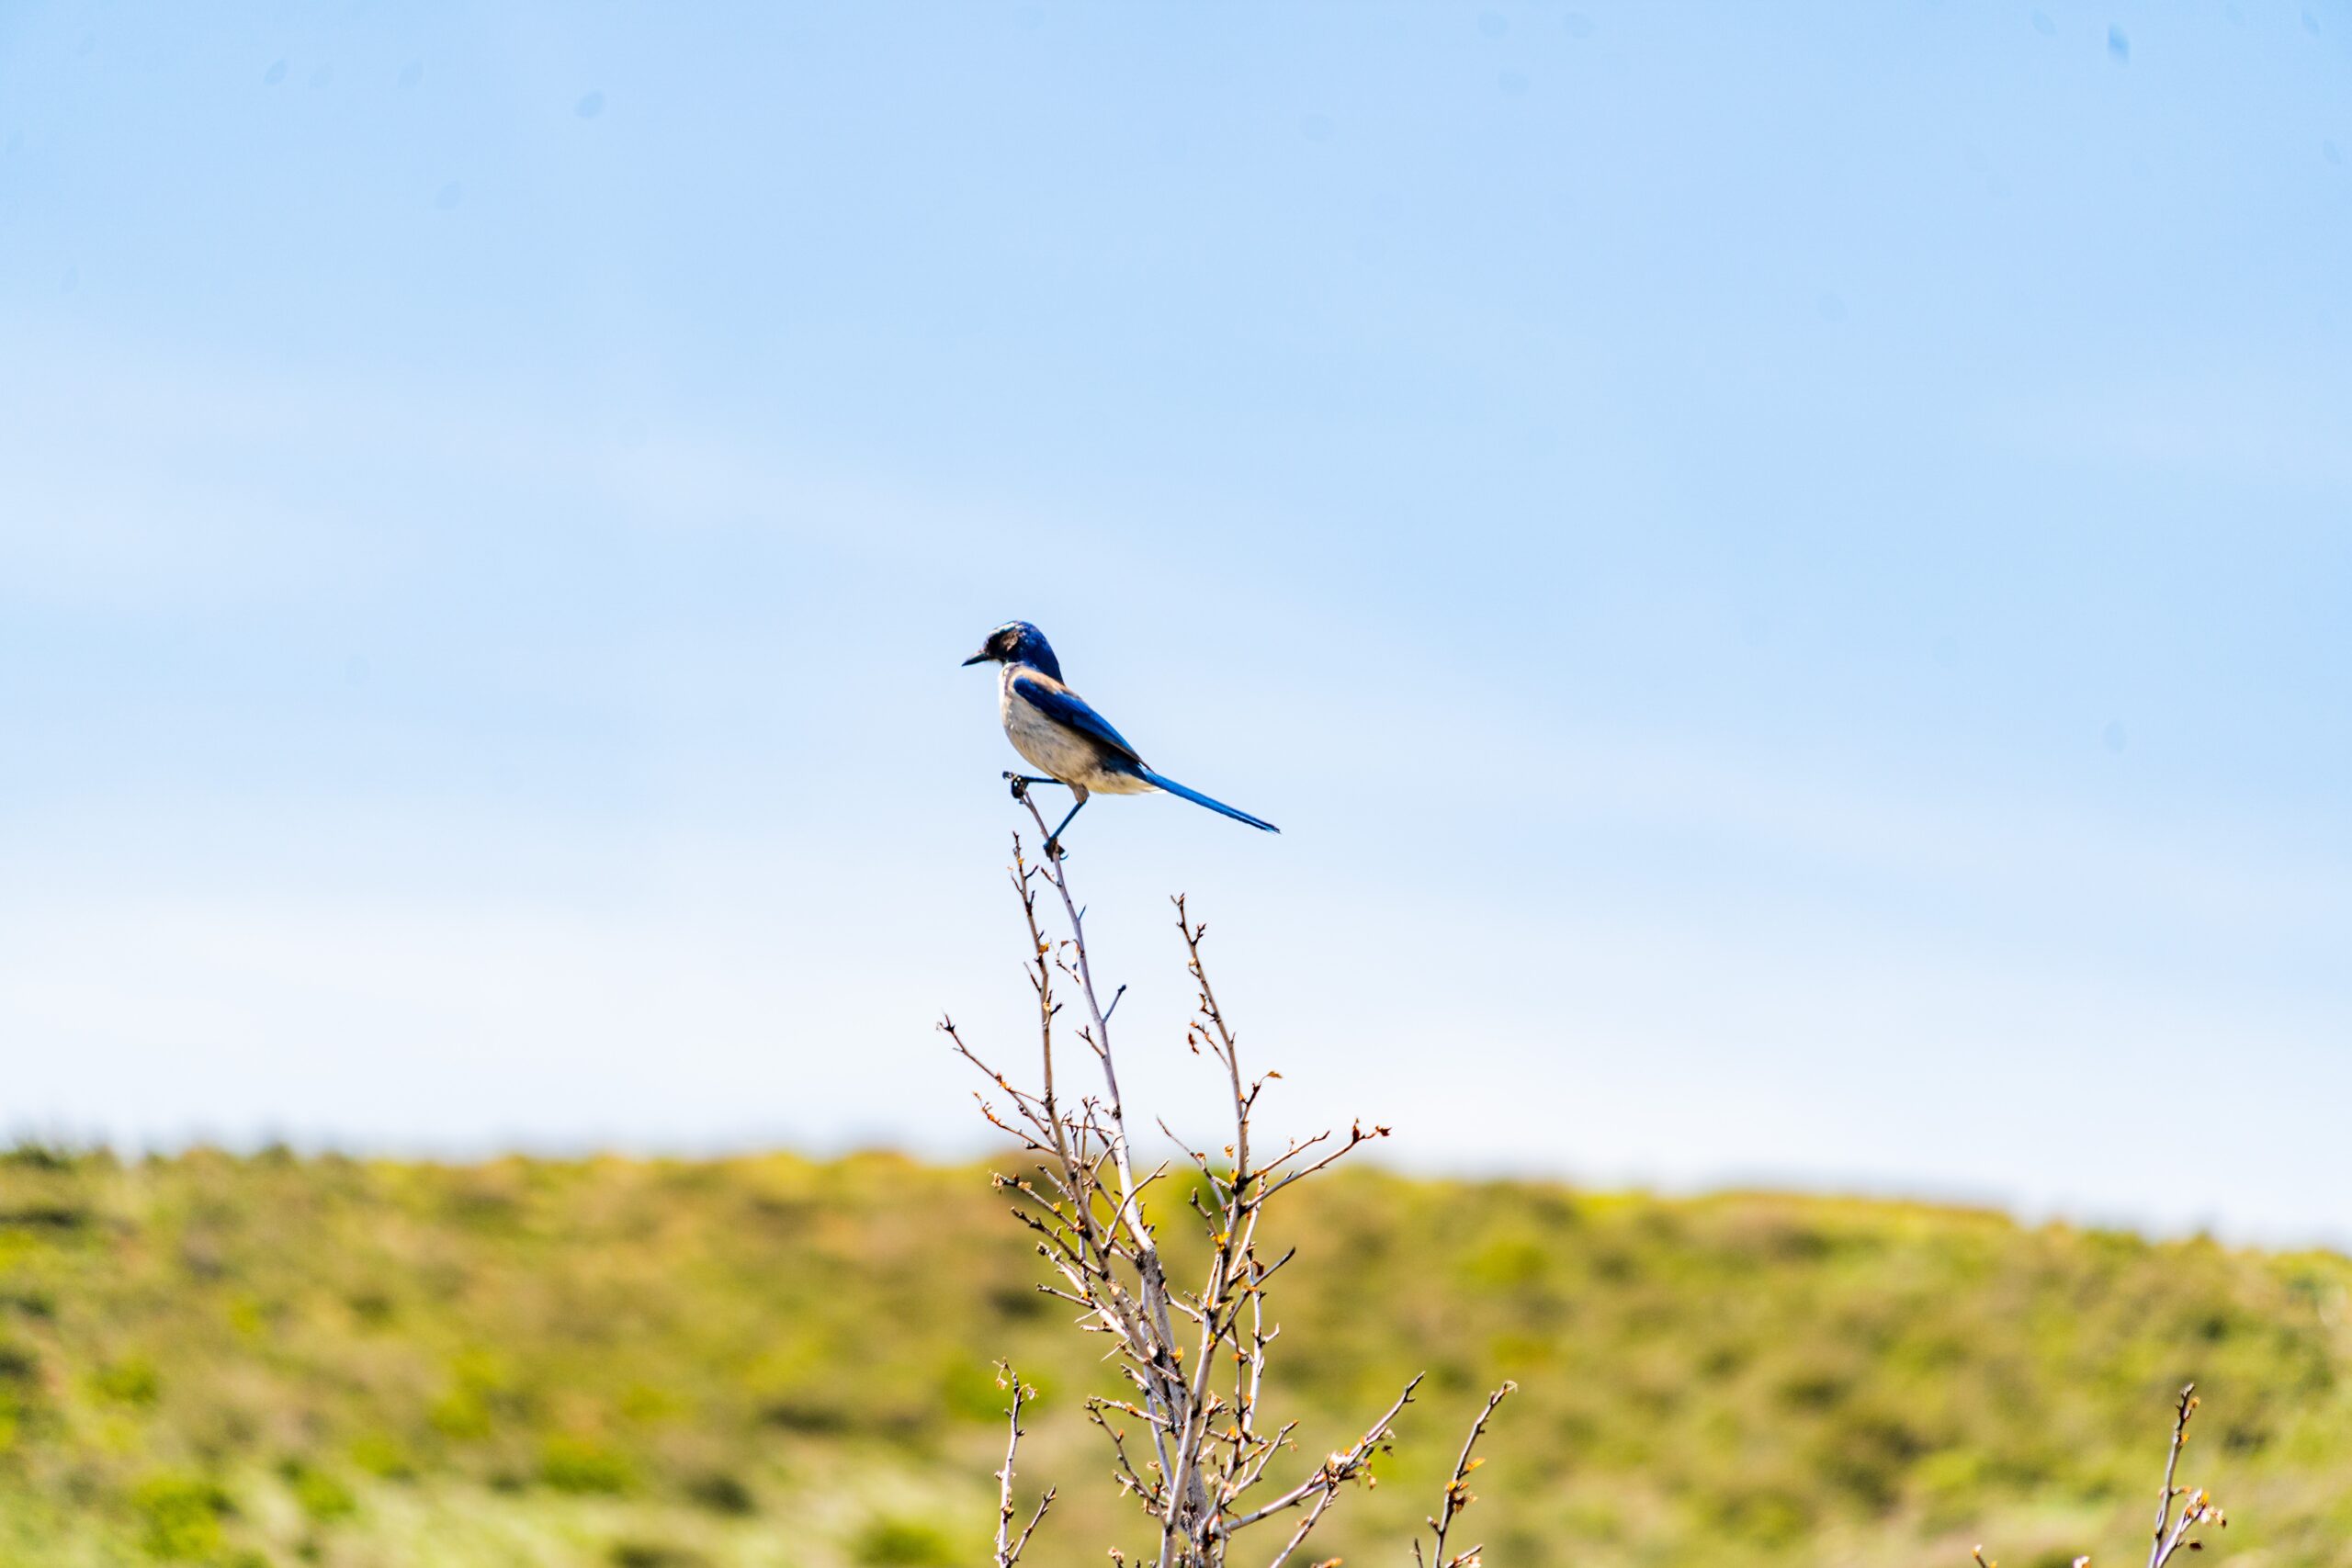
(1065, 739)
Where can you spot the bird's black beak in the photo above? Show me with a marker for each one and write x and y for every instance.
(980, 657)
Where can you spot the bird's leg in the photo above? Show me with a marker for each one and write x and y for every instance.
(1021, 783)
(1053, 839)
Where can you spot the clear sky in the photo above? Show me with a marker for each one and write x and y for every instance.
(1787, 572)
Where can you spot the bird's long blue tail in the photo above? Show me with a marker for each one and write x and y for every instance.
(1197, 798)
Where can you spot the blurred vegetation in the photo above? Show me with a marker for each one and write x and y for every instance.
(772, 1361)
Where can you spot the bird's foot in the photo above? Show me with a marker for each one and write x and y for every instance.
(1054, 850)
(1019, 783)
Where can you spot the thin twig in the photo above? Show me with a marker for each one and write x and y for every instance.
(2198, 1509)
(1009, 1547)
(1457, 1489)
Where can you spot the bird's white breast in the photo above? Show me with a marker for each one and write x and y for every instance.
(1055, 751)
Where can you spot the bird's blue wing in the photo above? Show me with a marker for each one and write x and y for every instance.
(1069, 709)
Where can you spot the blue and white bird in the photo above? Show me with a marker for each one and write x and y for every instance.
(1063, 737)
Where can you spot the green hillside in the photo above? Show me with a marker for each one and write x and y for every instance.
(781, 1361)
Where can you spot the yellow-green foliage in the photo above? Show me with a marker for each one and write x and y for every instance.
(773, 1361)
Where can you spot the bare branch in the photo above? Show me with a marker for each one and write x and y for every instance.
(1457, 1489)
(1198, 1403)
(2198, 1508)
(1009, 1546)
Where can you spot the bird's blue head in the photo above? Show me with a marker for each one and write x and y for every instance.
(1018, 642)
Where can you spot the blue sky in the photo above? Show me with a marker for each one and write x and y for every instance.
(1784, 574)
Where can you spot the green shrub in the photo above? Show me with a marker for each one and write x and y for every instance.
(322, 1498)
(583, 1465)
(722, 1493)
(654, 1554)
(461, 1414)
(180, 1517)
(894, 1543)
(134, 1380)
(382, 1456)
